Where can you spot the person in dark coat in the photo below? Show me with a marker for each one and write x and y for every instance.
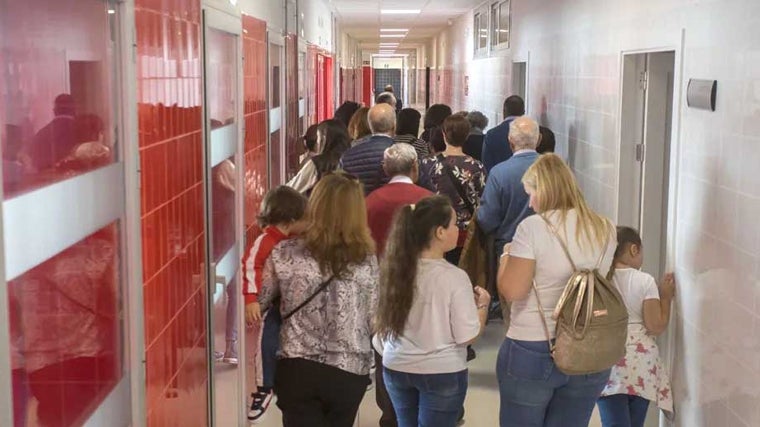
(364, 159)
(473, 147)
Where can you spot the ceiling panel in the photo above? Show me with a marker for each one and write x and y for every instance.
(362, 20)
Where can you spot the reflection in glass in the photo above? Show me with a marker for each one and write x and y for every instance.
(65, 323)
(56, 91)
(220, 69)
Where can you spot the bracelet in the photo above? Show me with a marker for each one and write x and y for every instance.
(482, 307)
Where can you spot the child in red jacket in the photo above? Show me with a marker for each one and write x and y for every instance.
(281, 216)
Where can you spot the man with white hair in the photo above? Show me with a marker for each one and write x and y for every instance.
(505, 203)
(365, 158)
(400, 163)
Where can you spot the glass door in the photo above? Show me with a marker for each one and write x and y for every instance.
(276, 72)
(64, 269)
(222, 71)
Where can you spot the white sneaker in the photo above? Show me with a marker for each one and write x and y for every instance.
(259, 406)
(231, 354)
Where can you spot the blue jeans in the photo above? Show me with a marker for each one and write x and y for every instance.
(534, 393)
(426, 400)
(622, 410)
(270, 343)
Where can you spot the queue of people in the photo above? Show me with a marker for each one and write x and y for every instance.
(359, 260)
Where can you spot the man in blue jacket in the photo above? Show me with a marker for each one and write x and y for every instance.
(505, 203)
(364, 159)
(495, 146)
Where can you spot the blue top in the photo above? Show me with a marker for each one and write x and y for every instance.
(496, 146)
(365, 161)
(505, 203)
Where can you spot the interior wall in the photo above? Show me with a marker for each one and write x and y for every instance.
(172, 201)
(574, 53)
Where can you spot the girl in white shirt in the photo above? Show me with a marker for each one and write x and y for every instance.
(533, 391)
(639, 377)
(427, 315)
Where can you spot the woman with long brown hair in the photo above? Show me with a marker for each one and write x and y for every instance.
(327, 281)
(358, 127)
(533, 272)
(428, 313)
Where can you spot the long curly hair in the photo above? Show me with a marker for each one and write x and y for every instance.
(412, 232)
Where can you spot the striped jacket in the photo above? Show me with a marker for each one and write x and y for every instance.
(254, 259)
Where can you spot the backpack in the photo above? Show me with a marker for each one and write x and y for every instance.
(592, 320)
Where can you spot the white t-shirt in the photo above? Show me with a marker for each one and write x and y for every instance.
(443, 318)
(635, 287)
(534, 240)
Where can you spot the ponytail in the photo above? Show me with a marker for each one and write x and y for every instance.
(412, 232)
(626, 237)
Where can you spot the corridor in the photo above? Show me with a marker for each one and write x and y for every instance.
(143, 140)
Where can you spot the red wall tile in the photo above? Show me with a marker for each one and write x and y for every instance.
(254, 95)
(169, 108)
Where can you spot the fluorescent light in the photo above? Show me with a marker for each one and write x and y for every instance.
(394, 30)
(400, 11)
(392, 35)
(111, 12)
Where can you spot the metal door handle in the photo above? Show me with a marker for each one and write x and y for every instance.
(219, 280)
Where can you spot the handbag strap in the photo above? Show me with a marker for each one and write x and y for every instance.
(543, 319)
(456, 183)
(319, 290)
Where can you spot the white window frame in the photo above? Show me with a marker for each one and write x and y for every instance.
(495, 22)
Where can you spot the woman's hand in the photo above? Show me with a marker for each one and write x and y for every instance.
(668, 286)
(482, 297)
(252, 314)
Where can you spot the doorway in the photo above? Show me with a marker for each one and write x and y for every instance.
(644, 173)
(223, 206)
(276, 149)
(520, 80)
(646, 121)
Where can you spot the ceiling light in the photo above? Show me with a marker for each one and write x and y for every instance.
(111, 11)
(392, 35)
(400, 11)
(394, 30)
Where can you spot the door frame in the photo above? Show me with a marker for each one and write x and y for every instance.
(228, 20)
(675, 140)
(668, 350)
(517, 59)
(276, 37)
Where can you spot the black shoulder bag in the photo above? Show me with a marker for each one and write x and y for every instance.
(457, 185)
(319, 290)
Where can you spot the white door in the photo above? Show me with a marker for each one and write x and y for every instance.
(645, 151)
(67, 268)
(644, 161)
(224, 226)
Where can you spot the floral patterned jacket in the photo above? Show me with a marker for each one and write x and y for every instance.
(471, 175)
(335, 328)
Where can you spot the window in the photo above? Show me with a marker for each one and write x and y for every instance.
(480, 39)
(500, 24)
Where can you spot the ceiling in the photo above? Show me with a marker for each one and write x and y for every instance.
(362, 20)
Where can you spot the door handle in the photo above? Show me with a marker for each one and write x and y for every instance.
(640, 152)
(219, 280)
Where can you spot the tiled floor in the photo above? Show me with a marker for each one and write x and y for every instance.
(481, 405)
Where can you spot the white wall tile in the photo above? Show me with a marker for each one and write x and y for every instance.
(574, 51)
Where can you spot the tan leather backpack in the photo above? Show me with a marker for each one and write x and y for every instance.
(592, 320)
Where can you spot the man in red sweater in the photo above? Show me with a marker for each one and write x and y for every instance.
(400, 163)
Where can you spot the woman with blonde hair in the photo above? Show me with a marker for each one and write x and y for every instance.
(532, 275)
(327, 281)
